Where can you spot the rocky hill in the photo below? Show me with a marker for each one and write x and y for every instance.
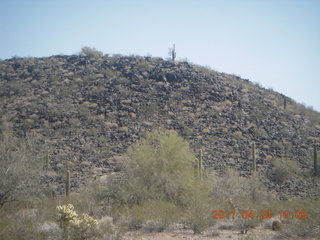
(90, 109)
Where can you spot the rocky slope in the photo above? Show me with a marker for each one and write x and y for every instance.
(91, 109)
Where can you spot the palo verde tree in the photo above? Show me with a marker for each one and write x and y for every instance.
(91, 52)
(20, 165)
(159, 167)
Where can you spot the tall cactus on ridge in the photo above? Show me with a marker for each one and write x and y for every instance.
(68, 184)
(315, 160)
(284, 102)
(200, 163)
(48, 160)
(254, 163)
(173, 53)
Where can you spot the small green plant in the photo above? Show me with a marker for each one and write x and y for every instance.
(255, 190)
(306, 227)
(75, 226)
(283, 168)
(229, 185)
(197, 211)
(152, 216)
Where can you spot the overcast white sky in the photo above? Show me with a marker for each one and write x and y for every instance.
(273, 42)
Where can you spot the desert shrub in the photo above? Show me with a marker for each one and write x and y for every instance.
(150, 110)
(306, 227)
(255, 190)
(283, 168)
(245, 224)
(159, 177)
(90, 198)
(159, 167)
(21, 164)
(260, 236)
(260, 132)
(18, 225)
(108, 231)
(229, 186)
(152, 215)
(235, 193)
(91, 52)
(197, 212)
(301, 228)
(21, 220)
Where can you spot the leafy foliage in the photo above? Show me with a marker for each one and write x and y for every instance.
(20, 165)
(160, 167)
(152, 215)
(160, 172)
(283, 168)
(91, 52)
(197, 211)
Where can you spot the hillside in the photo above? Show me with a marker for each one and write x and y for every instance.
(90, 109)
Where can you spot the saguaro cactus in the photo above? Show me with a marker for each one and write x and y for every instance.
(254, 163)
(286, 148)
(173, 53)
(284, 102)
(315, 160)
(200, 162)
(48, 157)
(68, 184)
(48, 160)
(53, 193)
(199, 165)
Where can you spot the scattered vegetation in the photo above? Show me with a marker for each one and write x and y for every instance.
(90, 108)
(152, 216)
(158, 167)
(159, 184)
(21, 163)
(160, 170)
(91, 52)
(283, 168)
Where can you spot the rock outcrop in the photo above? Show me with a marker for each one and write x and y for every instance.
(90, 110)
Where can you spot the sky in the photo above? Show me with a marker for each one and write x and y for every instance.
(275, 43)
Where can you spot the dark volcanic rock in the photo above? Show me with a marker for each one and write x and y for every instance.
(90, 110)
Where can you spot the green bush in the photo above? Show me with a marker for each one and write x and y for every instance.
(152, 215)
(255, 190)
(159, 167)
(308, 227)
(283, 168)
(22, 220)
(91, 52)
(20, 225)
(21, 164)
(159, 179)
(232, 192)
(197, 212)
(229, 186)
